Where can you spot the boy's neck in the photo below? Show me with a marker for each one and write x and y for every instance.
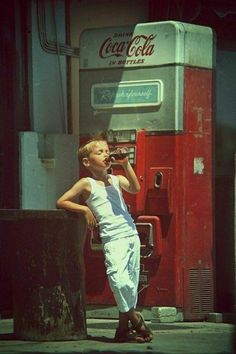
(100, 176)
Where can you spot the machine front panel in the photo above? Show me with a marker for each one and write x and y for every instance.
(111, 111)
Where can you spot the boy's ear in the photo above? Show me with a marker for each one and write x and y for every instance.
(85, 161)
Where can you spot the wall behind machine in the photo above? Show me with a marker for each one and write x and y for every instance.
(47, 71)
(47, 155)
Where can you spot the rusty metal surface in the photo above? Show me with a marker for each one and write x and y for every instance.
(47, 273)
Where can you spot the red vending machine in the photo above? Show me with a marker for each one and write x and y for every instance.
(150, 87)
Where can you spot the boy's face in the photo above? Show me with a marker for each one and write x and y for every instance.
(99, 156)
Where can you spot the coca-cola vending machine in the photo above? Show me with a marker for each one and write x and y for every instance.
(150, 87)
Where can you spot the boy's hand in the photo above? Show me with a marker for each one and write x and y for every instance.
(123, 162)
(90, 218)
(120, 156)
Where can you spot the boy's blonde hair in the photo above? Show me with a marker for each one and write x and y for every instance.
(86, 149)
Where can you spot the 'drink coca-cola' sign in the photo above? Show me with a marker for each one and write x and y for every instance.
(131, 51)
(129, 46)
(147, 44)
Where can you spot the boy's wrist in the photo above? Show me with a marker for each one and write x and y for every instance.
(84, 209)
(126, 163)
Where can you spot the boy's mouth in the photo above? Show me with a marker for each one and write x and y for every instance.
(107, 160)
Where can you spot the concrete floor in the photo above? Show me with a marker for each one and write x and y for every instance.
(172, 338)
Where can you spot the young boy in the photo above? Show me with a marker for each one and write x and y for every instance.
(121, 245)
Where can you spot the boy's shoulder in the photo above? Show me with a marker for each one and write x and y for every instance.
(82, 182)
(83, 179)
(81, 186)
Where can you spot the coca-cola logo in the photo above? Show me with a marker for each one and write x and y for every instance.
(138, 46)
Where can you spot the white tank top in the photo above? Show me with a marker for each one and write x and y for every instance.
(109, 208)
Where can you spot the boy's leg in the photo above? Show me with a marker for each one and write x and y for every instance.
(123, 321)
(122, 260)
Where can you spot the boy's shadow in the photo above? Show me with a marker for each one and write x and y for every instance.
(7, 336)
(12, 336)
(101, 339)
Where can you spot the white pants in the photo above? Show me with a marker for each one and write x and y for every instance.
(122, 261)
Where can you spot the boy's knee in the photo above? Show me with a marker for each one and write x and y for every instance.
(119, 281)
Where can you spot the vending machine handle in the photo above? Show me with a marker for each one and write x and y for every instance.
(155, 233)
(149, 246)
(158, 178)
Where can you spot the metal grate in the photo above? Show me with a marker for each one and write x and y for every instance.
(201, 291)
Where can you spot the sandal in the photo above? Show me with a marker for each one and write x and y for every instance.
(128, 336)
(145, 333)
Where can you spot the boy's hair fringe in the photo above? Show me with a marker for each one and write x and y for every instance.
(85, 149)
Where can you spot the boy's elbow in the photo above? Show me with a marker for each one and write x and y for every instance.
(59, 204)
(136, 190)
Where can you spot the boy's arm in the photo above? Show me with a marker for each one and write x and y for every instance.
(66, 201)
(129, 183)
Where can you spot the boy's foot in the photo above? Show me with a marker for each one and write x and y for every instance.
(128, 336)
(142, 329)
